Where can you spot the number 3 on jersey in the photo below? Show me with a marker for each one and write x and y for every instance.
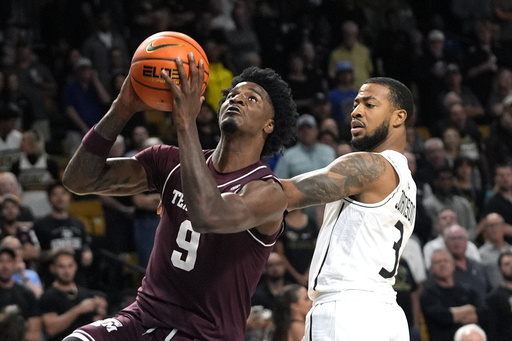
(396, 246)
(188, 241)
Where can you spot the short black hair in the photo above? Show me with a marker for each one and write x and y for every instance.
(502, 255)
(5, 249)
(52, 186)
(399, 94)
(285, 111)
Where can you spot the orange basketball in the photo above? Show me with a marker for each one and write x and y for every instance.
(158, 52)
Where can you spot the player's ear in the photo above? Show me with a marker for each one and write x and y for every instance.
(269, 126)
(400, 116)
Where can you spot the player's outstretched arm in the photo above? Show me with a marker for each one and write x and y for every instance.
(90, 171)
(349, 175)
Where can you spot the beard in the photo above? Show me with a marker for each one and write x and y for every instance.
(369, 142)
(229, 126)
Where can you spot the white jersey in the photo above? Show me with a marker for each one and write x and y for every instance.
(359, 245)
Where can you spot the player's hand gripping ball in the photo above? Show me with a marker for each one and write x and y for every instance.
(158, 52)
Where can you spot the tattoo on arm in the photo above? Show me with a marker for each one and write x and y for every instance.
(346, 177)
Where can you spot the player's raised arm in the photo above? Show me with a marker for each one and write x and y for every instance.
(89, 171)
(349, 175)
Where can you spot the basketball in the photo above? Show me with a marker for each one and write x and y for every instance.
(159, 52)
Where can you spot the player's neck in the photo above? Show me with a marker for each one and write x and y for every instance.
(230, 158)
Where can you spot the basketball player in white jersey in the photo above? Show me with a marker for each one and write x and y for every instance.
(370, 199)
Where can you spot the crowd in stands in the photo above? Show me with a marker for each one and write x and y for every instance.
(63, 62)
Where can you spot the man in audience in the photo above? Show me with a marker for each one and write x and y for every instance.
(12, 293)
(494, 233)
(501, 200)
(65, 305)
(499, 302)
(446, 304)
(61, 230)
(467, 271)
(445, 219)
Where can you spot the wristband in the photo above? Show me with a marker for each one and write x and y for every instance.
(96, 144)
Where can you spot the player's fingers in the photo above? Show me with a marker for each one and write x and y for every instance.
(182, 73)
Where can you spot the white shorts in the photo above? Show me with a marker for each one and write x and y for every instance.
(356, 316)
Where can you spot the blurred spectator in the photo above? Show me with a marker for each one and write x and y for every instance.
(498, 302)
(430, 71)
(444, 197)
(99, 46)
(494, 236)
(242, 39)
(470, 136)
(208, 127)
(409, 284)
(138, 136)
(313, 66)
(22, 275)
(272, 282)
(451, 141)
(481, 61)
(469, 184)
(343, 93)
(271, 285)
(435, 159)
(343, 148)
(501, 200)
(15, 294)
(290, 312)
(9, 185)
(60, 230)
(446, 304)
(118, 212)
(351, 49)
(303, 88)
(499, 143)
(35, 170)
(501, 88)
(16, 98)
(502, 11)
(12, 325)
(146, 217)
(83, 100)
(220, 75)
(307, 155)
(38, 83)
(10, 137)
(470, 332)
(10, 226)
(468, 272)
(392, 40)
(454, 81)
(65, 305)
(446, 219)
(296, 246)
(423, 225)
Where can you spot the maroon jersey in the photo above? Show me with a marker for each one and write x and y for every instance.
(200, 284)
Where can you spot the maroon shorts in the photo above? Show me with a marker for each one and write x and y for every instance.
(127, 326)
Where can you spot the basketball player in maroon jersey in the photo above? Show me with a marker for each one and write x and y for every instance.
(221, 210)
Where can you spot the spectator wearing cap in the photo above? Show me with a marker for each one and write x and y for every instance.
(10, 137)
(15, 294)
(342, 95)
(10, 226)
(9, 184)
(84, 101)
(306, 155)
(353, 50)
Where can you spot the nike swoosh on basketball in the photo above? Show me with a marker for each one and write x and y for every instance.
(152, 47)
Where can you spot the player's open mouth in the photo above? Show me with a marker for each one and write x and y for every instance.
(356, 126)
